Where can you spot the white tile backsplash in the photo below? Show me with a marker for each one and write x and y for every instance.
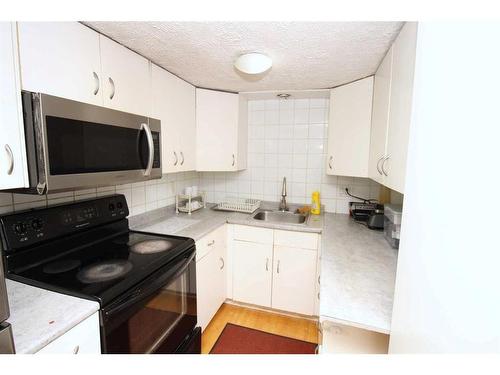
(287, 138)
(141, 196)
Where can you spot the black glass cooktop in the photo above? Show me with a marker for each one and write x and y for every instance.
(99, 270)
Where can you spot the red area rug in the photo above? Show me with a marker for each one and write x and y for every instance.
(235, 339)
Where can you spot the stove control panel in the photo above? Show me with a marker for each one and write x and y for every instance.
(32, 227)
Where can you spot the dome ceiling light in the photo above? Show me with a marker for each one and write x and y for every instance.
(253, 63)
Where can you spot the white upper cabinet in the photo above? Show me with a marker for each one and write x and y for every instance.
(61, 59)
(380, 117)
(221, 131)
(126, 78)
(349, 129)
(13, 167)
(174, 105)
(403, 68)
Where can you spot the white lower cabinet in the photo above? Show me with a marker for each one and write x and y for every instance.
(294, 287)
(210, 275)
(252, 272)
(279, 273)
(84, 338)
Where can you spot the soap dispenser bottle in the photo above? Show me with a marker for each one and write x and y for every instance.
(315, 206)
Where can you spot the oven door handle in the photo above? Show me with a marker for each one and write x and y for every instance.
(148, 287)
(151, 148)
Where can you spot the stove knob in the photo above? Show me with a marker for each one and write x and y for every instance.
(37, 224)
(20, 228)
(111, 207)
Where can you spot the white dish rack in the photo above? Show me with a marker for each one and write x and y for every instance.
(186, 203)
(239, 205)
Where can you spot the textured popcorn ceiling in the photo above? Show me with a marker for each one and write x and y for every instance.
(306, 55)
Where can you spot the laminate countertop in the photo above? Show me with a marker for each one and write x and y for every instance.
(39, 316)
(358, 267)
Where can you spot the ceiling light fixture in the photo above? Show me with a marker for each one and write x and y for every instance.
(283, 96)
(253, 63)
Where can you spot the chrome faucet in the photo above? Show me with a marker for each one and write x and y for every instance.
(283, 206)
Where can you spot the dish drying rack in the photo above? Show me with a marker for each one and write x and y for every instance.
(184, 203)
(239, 205)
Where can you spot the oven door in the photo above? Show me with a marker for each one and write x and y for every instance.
(81, 145)
(156, 316)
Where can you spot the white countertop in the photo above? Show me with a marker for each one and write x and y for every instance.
(358, 267)
(39, 316)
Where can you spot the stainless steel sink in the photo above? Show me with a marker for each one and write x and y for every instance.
(280, 217)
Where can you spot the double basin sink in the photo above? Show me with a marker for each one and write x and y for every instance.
(283, 217)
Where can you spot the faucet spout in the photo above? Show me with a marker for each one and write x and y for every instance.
(283, 206)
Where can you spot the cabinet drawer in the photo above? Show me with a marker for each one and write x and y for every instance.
(83, 338)
(296, 239)
(253, 234)
(210, 241)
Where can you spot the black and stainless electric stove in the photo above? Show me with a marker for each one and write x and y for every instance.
(144, 282)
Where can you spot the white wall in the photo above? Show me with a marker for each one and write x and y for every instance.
(287, 138)
(141, 196)
(447, 296)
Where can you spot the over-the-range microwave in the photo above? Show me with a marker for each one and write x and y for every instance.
(72, 145)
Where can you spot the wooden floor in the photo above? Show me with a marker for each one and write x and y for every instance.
(294, 327)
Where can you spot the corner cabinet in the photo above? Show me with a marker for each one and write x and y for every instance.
(349, 129)
(392, 106)
(173, 102)
(221, 131)
(13, 166)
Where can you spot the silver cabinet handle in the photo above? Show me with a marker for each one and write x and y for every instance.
(278, 267)
(319, 279)
(97, 83)
(383, 165)
(76, 349)
(222, 262)
(11, 159)
(267, 264)
(182, 156)
(151, 148)
(233, 161)
(211, 243)
(318, 295)
(176, 159)
(330, 162)
(112, 83)
(378, 165)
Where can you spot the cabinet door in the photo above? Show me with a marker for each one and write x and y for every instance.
(294, 279)
(216, 130)
(205, 289)
(81, 339)
(403, 68)
(61, 59)
(220, 272)
(126, 78)
(13, 167)
(349, 129)
(252, 273)
(165, 109)
(380, 117)
(186, 113)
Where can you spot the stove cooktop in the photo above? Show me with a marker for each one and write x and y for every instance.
(98, 262)
(103, 270)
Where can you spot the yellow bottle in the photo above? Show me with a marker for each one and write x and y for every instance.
(316, 206)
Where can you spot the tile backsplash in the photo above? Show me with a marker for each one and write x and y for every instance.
(287, 138)
(141, 196)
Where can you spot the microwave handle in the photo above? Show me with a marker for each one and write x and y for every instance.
(158, 281)
(151, 148)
